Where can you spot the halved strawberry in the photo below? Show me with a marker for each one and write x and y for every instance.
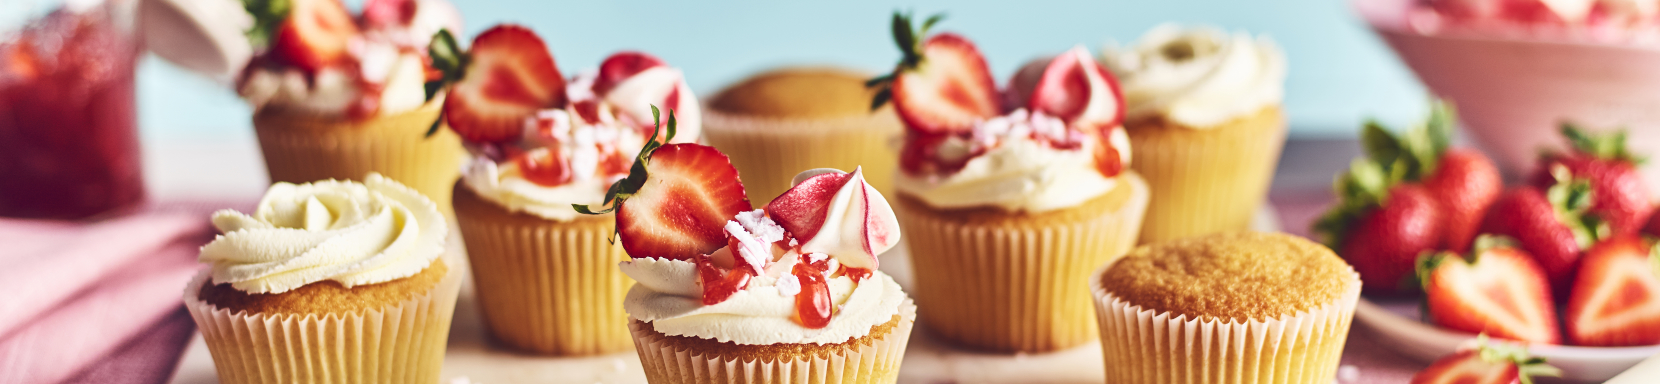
(1616, 297)
(314, 35)
(865, 219)
(509, 76)
(544, 166)
(1498, 290)
(1486, 364)
(941, 85)
(1622, 198)
(620, 66)
(1075, 89)
(681, 208)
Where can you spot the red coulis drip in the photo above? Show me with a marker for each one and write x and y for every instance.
(719, 283)
(812, 306)
(857, 274)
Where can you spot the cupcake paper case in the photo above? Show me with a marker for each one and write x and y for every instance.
(1009, 197)
(1196, 310)
(1204, 117)
(546, 276)
(303, 291)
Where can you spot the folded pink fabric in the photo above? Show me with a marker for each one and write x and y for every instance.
(76, 293)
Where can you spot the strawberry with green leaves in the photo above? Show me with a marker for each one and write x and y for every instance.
(1486, 364)
(1554, 224)
(1497, 290)
(1622, 199)
(1615, 300)
(1461, 180)
(504, 79)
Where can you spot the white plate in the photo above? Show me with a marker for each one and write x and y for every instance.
(1395, 322)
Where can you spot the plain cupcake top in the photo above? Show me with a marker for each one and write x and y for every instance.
(808, 92)
(1237, 275)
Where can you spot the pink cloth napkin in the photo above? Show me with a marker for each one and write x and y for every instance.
(76, 293)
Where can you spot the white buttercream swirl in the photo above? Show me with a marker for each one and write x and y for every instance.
(347, 232)
(1019, 173)
(668, 296)
(1198, 77)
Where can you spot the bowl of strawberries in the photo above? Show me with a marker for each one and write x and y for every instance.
(1563, 264)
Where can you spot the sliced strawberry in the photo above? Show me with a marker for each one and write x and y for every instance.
(949, 90)
(1616, 297)
(509, 77)
(866, 219)
(1622, 199)
(546, 166)
(620, 66)
(1486, 364)
(314, 35)
(1498, 290)
(1075, 89)
(683, 204)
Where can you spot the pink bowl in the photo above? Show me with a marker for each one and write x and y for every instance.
(1513, 94)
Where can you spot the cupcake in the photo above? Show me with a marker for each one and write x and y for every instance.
(790, 119)
(337, 96)
(1008, 208)
(787, 293)
(332, 281)
(1204, 117)
(1238, 307)
(545, 274)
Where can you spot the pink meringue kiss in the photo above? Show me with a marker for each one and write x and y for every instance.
(838, 214)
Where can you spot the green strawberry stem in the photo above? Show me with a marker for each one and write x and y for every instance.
(1390, 159)
(268, 15)
(1527, 366)
(909, 39)
(1571, 199)
(451, 63)
(625, 188)
(1610, 145)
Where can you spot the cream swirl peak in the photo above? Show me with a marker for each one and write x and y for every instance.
(1198, 77)
(351, 233)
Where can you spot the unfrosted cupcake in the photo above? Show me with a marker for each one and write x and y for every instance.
(332, 281)
(778, 122)
(1008, 209)
(1205, 119)
(337, 97)
(544, 273)
(789, 293)
(1265, 308)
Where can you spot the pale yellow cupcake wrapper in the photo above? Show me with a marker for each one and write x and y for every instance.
(1014, 289)
(1145, 346)
(300, 148)
(768, 152)
(546, 286)
(876, 362)
(404, 343)
(1206, 180)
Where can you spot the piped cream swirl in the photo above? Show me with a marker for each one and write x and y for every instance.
(1018, 173)
(347, 232)
(668, 296)
(1199, 77)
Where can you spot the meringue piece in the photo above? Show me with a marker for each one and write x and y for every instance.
(350, 233)
(636, 95)
(1199, 77)
(838, 214)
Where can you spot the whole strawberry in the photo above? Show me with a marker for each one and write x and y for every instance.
(1381, 227)
(1551, 224)
(1463, 182)
(1622, 200)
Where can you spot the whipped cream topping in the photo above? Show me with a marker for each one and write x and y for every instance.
(1016, 170)
(354, 234)
(669, 297)
(1198, 77)
(598, 148)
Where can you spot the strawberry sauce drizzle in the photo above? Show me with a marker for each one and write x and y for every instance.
(857, 274)
(812, 306)
(719, 283)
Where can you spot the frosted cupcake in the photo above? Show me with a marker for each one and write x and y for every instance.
(337, 97)
(1238, 307)
(778, 122)
(1204, 116)
(1008, 209)
(332, 281)
(789, 293)
(544, 273)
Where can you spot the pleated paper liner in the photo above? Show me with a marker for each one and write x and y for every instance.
(301, 148)
(997, 281)
(769, 152)
(545, 286)
(874, 358)
(1147, 346)
(1205, 180)
(400, 343)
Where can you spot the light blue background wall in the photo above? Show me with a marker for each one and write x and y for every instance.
(1339, 72)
